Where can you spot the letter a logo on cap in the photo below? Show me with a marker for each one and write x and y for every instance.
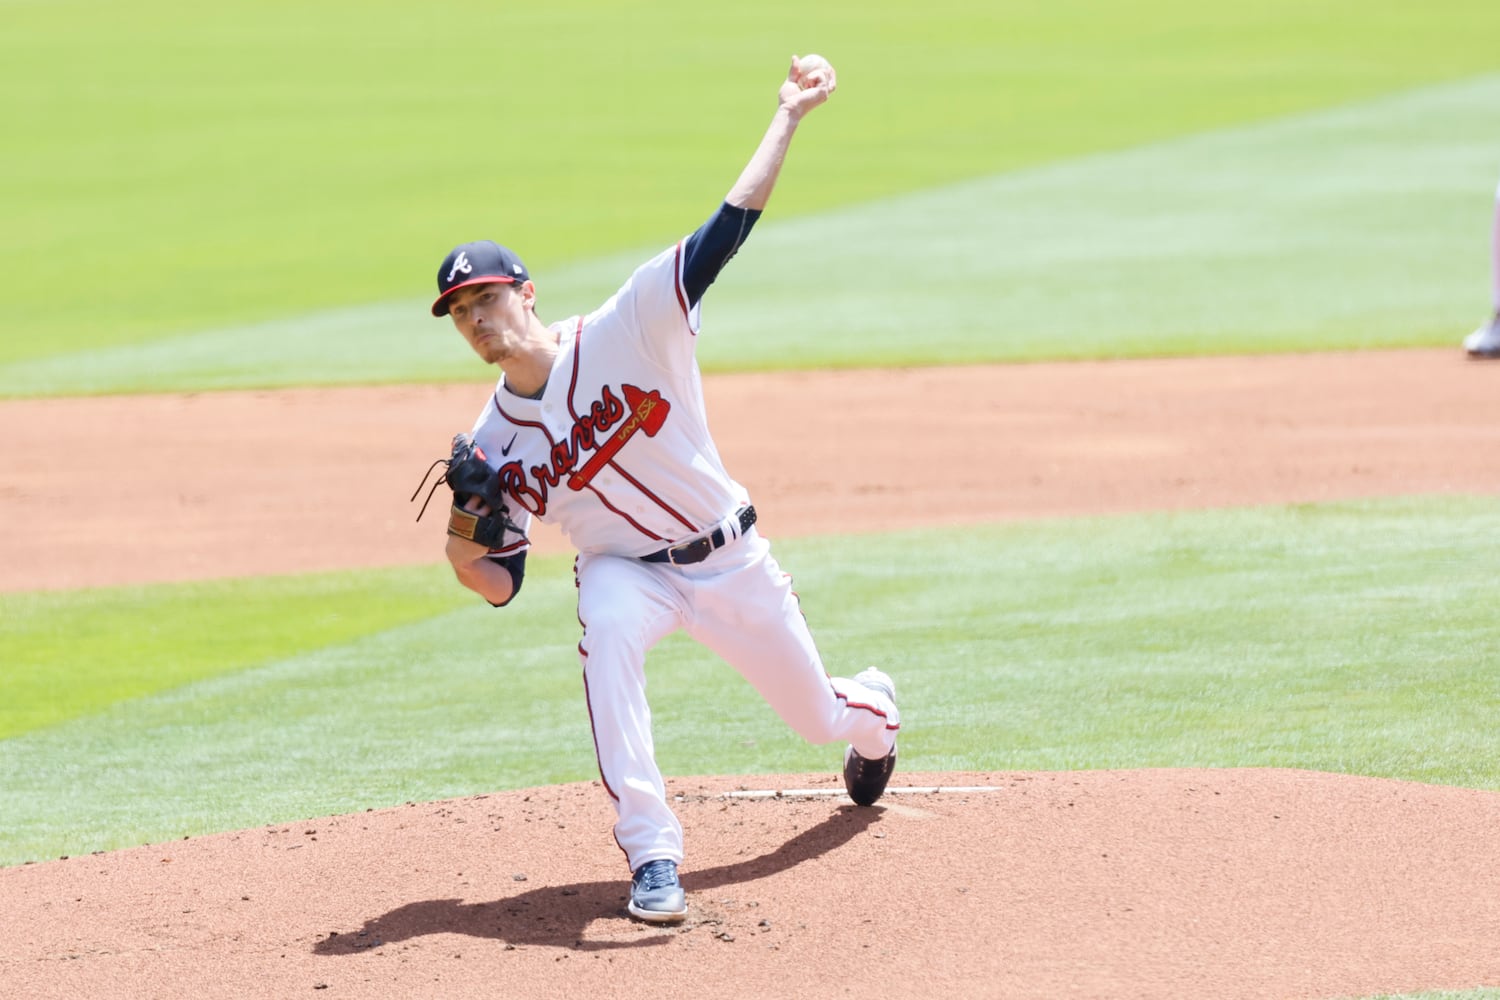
(461, 263)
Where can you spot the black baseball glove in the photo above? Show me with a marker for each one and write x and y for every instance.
(470, 477)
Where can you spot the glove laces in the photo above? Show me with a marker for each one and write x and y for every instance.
(436, 483)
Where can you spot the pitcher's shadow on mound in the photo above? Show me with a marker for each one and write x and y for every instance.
(557, 915)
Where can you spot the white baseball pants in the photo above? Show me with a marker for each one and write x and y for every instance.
(739, 604)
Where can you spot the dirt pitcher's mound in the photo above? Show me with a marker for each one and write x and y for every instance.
(1144, 884)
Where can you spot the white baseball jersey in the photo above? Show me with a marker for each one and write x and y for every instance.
(617, 450)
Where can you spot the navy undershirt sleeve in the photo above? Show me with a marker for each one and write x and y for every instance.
(516, 565)
(705, 253)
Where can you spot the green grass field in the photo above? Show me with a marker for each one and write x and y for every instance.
(1362, 226)
(1351, 638)
(258, 195)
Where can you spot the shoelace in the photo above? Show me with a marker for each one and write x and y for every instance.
(656, 875)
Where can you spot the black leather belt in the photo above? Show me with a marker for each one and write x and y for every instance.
(697, 550)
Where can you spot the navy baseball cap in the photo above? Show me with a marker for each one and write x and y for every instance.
(483, 262)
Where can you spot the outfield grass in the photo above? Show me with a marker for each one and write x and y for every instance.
(176, 170)
(1353, 638)
(1360, 227)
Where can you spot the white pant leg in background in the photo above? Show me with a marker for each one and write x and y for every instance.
(741, 605)
(1495, 254)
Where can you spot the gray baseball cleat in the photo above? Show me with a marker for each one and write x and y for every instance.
(1485, 341)
(866, 779)
(655, 894)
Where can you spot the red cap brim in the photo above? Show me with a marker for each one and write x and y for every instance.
(440, 304)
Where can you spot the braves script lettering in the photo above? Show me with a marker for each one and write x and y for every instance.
(641, 411)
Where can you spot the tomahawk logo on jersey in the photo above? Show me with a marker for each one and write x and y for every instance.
(646, 412)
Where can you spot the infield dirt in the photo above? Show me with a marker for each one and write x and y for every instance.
(1148, 884)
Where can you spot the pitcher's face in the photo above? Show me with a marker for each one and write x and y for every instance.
(492, 317)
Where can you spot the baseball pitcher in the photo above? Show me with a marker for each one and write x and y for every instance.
(597, 424)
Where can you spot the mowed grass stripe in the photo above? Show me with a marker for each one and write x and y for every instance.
(1354, 638)
(1356, 228)
(1361, 227)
